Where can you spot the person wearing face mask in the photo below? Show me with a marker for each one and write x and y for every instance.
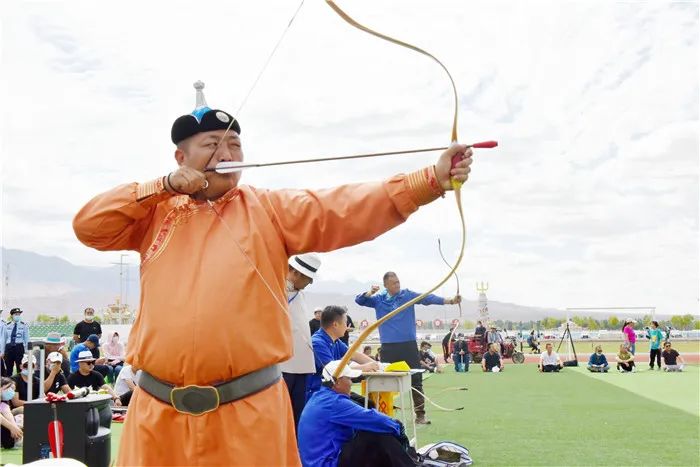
(216, 251)
(55, 380)
(114, 353)
(597, 362)
(87, 327)
(461, 354)
(10, 432)
(21, 387)
(302, 272)
(16, 341)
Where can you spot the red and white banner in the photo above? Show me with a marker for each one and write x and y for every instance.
(419, 323)
(364, 324)
(437, 323)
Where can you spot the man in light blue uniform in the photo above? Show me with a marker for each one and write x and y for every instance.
(2, 345)
(16, 341)
(398, 335)
(335, 431)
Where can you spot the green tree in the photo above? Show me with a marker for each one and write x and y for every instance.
(64, 319)
(677, 321)
(46, 319)
(696, 324)
(469, 324)
(614, 322)
(688, 321)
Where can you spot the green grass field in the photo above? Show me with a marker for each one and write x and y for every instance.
(522, 417)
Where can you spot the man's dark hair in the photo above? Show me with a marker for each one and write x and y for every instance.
(655, 323)
(387, 275)
(331, 314)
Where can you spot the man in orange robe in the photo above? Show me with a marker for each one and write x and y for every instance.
(213, 260)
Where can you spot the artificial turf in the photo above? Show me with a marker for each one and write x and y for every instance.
(522, 417)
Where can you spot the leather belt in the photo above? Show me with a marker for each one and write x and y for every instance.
(198, 400)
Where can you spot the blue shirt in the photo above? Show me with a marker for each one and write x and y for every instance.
(325, 351)
(74, 356)
(402, 327)
(329, 420)
(597, 359)
(655, 337)
(22, 335)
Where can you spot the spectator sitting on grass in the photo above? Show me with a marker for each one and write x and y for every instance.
(427, 358)
(126, 384)
(533, 342)
(87, 377)
(21, 387)
(671, 358)
(114, 353)
(55, 380)
(492, 359)
(10, 431)
(550, 361)
(460, 354)
(625, 360)
(598, 362)
(92, 343)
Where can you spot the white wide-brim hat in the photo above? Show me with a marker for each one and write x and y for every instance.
(307, 264)
(331, 367)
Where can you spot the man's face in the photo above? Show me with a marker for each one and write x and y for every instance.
(86, 367)
(549, 349)
(340, 326)
(667, 347)
(299, 280)
(89, 314)
(89, 345)
(317, 315)
(392, 285)
(343, 385)
(196, 150)
(51, 347)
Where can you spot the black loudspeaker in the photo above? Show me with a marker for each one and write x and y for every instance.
(86, 429)
(571, 363)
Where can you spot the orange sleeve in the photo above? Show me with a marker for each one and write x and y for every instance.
(119, 218)
(326, 220)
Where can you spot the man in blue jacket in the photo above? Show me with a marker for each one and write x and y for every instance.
(334, 430)
(398, 335)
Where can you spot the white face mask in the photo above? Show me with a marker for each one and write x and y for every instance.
(89, 317)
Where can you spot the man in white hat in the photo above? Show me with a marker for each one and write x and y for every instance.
(302, 272)
(87, 377)
(216, 250)
(55, 380)
(334, 430)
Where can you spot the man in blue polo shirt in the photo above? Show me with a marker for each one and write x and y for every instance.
(398, 335)
(92, 343)
(328, 347)
(335, 431)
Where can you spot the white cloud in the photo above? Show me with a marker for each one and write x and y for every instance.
(592, 197)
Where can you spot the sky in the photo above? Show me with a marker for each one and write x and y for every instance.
(590, 200)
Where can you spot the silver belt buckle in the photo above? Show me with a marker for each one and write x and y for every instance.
(195, 400)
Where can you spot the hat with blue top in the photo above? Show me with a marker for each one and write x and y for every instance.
(202, 119)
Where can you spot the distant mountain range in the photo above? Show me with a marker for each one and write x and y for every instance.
(51, 285)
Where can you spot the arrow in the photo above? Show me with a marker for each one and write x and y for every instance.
(233, 166)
